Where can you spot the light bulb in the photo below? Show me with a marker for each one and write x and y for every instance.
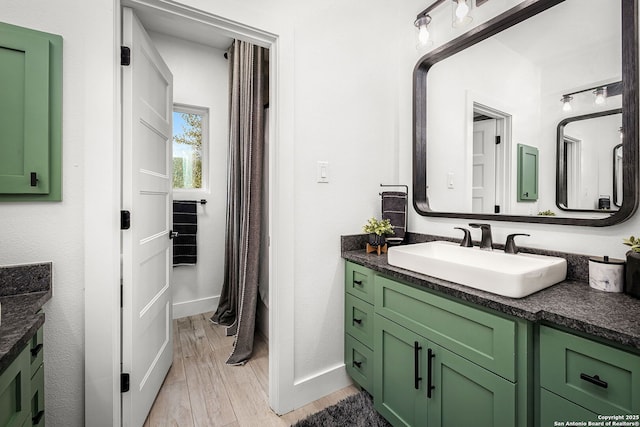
(566, 103)
(423, 34)
(601, 95)
(462, 10)
(423, 30)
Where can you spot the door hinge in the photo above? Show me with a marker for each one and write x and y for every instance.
(496, 209)
(125, 55)
(124, 382)
(125, 220)
(498, 139)
(121, 292)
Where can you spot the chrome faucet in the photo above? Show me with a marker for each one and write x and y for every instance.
(486, 242)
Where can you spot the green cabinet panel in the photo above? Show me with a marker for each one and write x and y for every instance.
(395, 394)
(488, 400)
(14, 391)
(527, 173)
(30, 114)
(555, 409)
(604, 379)
(359, 320)
(467, 395)
(359, 281)
(358, 361)
(481, 337)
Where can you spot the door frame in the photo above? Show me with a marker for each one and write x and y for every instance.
(102, 244)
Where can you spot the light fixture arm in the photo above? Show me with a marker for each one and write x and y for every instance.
(430, 8)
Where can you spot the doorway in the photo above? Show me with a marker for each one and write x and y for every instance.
(491, 168)
(157, 22)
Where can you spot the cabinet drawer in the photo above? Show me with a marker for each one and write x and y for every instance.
(359, 362)
(36, 348)
(359, 320)
(604, 379)
(484, 338)
(554, 408)
(359, 281)
(37, 398)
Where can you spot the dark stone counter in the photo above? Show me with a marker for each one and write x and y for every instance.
(571, 304)
(23, 292)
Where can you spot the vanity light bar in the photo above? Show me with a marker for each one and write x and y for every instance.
(601, 92)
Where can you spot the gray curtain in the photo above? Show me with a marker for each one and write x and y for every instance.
(237, 306)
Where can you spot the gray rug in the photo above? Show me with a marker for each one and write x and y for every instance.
(354, 411)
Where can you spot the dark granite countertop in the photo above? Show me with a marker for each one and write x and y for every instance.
(572, 304)
(23, 292)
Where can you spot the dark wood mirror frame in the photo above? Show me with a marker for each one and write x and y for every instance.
(513, 16)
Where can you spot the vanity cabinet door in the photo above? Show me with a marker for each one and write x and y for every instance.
(466, 394)
(401, 376)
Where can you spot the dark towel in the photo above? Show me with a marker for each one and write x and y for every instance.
(185, 223)
(394, 208)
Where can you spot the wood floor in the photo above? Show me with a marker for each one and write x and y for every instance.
(200, 390)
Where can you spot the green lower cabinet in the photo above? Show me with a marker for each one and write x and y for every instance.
(419, 383)
(555, 410)
(14, 392)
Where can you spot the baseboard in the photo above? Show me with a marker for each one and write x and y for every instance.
(319, 385)
(191, 308)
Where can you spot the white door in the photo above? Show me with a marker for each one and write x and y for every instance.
(147, 99)
(484, 166)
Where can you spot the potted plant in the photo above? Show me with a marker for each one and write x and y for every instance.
(632, 273)
(377, 229)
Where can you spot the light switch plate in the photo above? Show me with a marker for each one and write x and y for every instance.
(323, 171)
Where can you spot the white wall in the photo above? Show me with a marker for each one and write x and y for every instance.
(35, 232)
(201, 78)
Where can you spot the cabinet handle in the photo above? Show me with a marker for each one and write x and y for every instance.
(357, 282)
(594, 380)
(416, 365)
(430, 386)
(358, 321)
(34, 179)
(37, 418)
(357, 364)
(37, 349)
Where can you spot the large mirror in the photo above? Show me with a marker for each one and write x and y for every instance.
(487, 107)
(587, 178)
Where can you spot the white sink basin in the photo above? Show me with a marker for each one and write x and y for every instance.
(514, 276)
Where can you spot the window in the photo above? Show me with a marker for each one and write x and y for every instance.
(190, 130)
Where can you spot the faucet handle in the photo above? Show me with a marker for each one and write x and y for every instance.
(466, 240)
(510, 245)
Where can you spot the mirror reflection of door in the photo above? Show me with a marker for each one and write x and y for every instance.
(572, 171)
(488, 177)
(617, 174)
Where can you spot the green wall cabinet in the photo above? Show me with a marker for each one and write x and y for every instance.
(22, 387)
(30, 115)
(527, 173)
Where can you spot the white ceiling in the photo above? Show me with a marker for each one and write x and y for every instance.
(160, 21)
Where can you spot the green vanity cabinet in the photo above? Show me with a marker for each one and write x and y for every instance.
(476, 362)
(22, 387)
(595, 378)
